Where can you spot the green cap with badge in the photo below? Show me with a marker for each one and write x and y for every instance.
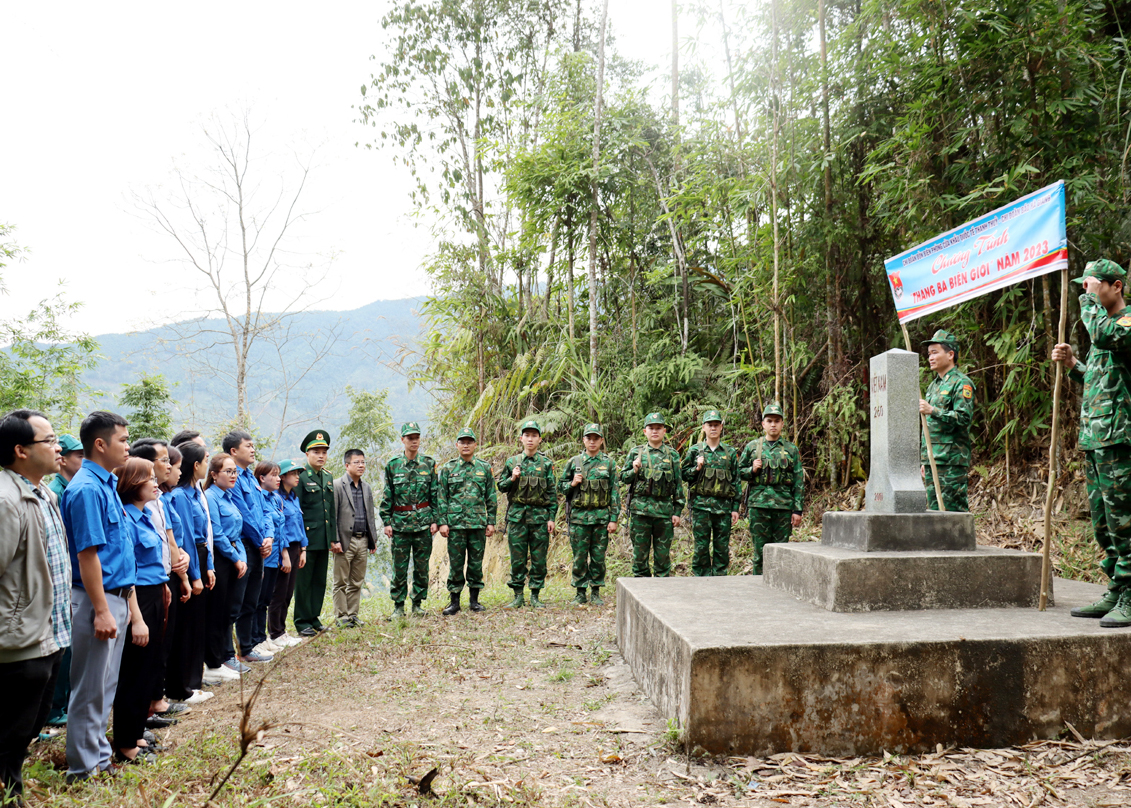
(317, 439)
(592, 429)
(944, 338)
(773, 409)
(655, 418)
(70, 444)
(712, 415)
(530, 423)
(467, 433)
(286, 466)
(410, 428)
(1104, 269)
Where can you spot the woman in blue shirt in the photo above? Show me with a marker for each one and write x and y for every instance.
(267, 475)
(141, 667)
(292, 555)
(230, 563)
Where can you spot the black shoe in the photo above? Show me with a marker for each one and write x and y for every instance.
(175, 708)
(308, 632)
(157, 722)
(453, 607)
(475, 605)
(355, 623)
(322, 628)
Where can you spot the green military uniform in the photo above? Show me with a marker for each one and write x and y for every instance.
(467, 503)
(316, 498)
(655, 495)
(594, 505)
(952, 396)
(713, 494)
(1105, 439)
(532, 502)
(410, 507)
(777, 490)
(68, 444)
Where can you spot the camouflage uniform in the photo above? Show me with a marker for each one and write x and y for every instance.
(1105, 433)
(714, 492)
(655, 496)
(593, 505)
(531, 503)
(952, 396)
(467, 504)
(410, 507)
(777, 490)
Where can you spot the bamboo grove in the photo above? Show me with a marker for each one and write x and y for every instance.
(720, 244)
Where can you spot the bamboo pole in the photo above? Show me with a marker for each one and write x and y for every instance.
(1051, 490)
(927, 435)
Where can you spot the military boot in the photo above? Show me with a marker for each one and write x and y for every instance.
(518, 602)
(1120, 616)
(398, 609)
(595, 597)
(453, 607)
(1101, 607)
(534, 600)
(475, 605)
(416, 610)
(580, 598)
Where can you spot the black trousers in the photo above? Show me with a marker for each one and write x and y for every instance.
(245, 617)
(185, 663)
(141, 667)
(266, 594)
(284, 592)
(28, 687)
(218, 614)
(172, 616)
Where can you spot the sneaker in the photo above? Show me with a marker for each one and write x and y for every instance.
(263, 649)
(287, 641)
(255, 656)
(217, 676)
(199, 696)
(234, 664)
(595, 597)
(1120, 616)
(1101, 607)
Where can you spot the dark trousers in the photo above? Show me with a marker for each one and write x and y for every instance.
(28, 687)
(62, 690)
(164, 635)
(218, 615)
(284, 591)
(185, 667)
(266, 593)
(245, 617)
(140, 667)
(310, 589)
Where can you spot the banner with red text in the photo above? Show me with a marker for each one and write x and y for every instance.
(1021, 240)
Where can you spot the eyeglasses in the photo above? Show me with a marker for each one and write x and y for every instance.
(229, 471)
(52, 440)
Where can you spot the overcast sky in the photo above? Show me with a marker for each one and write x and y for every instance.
(100, 100)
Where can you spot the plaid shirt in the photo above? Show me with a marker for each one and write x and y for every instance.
(60, 562)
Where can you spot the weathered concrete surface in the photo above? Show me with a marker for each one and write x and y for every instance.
(894, 484)
(749, 670)
(843, 580)
(870, 532)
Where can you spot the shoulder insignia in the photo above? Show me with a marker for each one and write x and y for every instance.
(1124, 321)
(968, 390)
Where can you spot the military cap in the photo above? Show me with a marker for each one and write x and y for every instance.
(467, 432)
(410, 428)
(530, 423)
(318, 439)
(288, 465)
(655, 418)
(712, 415)
(943, 337)
(70, 444)
(592, 429)
(1105, 270)
(773, 409)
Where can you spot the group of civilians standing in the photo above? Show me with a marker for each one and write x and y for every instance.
(123, 576)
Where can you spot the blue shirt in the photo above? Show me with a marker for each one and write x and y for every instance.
(226, 524)
(294, 530)
(248, 497)
(93, 516)
(185, 502)
(147, 548)
(278, 520)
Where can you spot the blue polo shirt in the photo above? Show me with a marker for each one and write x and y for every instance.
(93, 516)
(185, 501)
(278, 520)
(226, 524)
(148, 550)
(248, 497)
(294, 530)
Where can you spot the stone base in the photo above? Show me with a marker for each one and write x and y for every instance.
(749, 670)
(871, 532)
(854, 581)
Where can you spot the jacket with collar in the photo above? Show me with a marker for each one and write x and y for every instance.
(343, 507)
(26, 594)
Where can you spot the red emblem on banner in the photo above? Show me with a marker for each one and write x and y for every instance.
(896, 285)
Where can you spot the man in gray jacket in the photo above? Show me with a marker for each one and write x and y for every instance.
(358, 529)
(35, 576)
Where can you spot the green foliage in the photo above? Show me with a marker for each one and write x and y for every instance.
(263, 441)
(149, 401)
(370, 428)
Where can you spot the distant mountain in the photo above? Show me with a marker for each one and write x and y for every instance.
(368, 339)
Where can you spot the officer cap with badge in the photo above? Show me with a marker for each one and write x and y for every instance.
(530, 423)
(592, 429)
(410, 428)
(317, 439)
(944, 338)
(467, 433)
(773, 409)
(656, 418)
(712, 415)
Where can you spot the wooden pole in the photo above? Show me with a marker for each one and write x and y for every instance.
(927, 435)
(1046, 566)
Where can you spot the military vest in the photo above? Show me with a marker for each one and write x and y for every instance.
(532, 489)
(777, 465)
(595, 491)
(713, 482)
(657, 476)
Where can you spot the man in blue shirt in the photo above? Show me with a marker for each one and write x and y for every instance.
(258, 534)
(102, 560)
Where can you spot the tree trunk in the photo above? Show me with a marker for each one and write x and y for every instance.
(594, 210)
(776, 101)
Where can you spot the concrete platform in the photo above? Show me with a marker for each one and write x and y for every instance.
(871, 532)
(750, 670)
(843, 580)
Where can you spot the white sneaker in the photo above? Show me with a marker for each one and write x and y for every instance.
(263, 649)
(215, 676)
(198, 696)
(286, 641)
(272, 646)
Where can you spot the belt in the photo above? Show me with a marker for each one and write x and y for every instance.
(121, 592)
(417, 507)
(360, 534)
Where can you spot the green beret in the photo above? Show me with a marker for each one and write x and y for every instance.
(410, 428)
(467, 432)
(288, 465)
(70, 444)
(318, 439)
(530, 423)
(1104, 269)
(592, 429)
(773, 409)
(712, 415)
(942, 337)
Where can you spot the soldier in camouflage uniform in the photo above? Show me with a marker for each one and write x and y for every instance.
(655, 499)
(320, 520)
(409, 511)
(532, 503)
(949, 407)
(1105, 431)
(776, 494)
(711, 471)
(466, 513)
(589, 484)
